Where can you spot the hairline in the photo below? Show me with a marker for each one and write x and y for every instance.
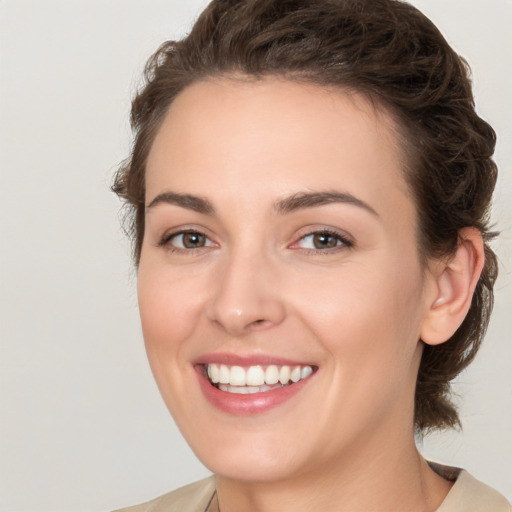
(397, 125)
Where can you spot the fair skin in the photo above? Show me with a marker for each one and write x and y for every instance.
(280, 232)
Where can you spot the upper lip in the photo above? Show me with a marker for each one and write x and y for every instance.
(230, 359)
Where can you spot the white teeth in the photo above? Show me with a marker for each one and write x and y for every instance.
(213, 373)
(255, 379)
(237, 376)
(224, 374)
(272, 375)
(306, 372)
(295, 374)
(284, 374)
(244, 390)
(255, 376)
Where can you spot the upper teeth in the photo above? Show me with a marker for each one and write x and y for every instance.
(256, 375)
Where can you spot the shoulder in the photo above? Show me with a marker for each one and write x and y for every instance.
(470, 495)
(194, 497)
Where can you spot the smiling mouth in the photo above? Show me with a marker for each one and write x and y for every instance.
(255, 379)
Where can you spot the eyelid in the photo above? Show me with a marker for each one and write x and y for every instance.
(346, 239)
(166, 238)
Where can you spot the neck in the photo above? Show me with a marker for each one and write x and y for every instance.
(375, 475)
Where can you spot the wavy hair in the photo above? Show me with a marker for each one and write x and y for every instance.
(395, 56)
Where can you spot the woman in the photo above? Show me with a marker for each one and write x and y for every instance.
(310, 187)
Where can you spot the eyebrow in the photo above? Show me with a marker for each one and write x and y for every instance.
(298, 201)
(188, 201)
(304, 200)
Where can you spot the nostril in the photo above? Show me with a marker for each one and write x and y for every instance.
(260, 323)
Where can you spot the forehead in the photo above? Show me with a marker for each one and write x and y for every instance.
(223, 135)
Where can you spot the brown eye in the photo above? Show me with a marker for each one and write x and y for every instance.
(323, 240)
(193, 240)
(189, 240)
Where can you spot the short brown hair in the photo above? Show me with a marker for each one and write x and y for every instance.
(389, 51)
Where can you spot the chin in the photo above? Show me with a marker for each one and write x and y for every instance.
(254, 469)
(250, 458)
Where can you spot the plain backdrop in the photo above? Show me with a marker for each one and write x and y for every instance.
(82, 426)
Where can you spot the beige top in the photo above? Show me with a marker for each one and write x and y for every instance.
(466, 495)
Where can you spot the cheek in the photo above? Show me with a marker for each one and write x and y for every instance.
(368, 318)
(362, 298)
(168, 308)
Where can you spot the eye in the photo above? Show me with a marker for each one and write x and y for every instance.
(187, 240)
(323, 240)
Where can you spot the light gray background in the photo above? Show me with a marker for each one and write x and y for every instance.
(82, 426)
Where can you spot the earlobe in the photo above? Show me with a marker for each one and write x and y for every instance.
(455, 280)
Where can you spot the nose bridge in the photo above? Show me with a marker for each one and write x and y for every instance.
(246, 297)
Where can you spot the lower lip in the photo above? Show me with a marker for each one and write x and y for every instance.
(250, 404)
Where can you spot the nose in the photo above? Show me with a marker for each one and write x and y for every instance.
(246, 296)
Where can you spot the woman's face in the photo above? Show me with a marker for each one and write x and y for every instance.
(280, 244)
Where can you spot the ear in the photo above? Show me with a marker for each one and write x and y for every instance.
(454, 282)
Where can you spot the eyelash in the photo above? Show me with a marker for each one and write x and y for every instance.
(345, 242)
(166, 239)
